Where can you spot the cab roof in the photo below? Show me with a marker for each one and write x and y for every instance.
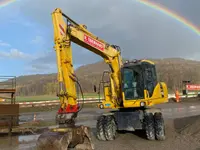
(138, 62)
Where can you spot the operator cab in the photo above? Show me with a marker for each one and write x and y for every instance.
(137, 76)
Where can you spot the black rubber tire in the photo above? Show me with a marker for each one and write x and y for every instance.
(159, 126)
(110, 128)
(149, 126)
(100, 128)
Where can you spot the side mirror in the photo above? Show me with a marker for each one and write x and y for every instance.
(95, 88)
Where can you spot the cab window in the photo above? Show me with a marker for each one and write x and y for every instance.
(133, 83)
(150, 78)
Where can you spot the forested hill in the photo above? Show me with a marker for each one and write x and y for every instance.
(171, 70)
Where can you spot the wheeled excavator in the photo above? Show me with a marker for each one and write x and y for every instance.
(131, 93)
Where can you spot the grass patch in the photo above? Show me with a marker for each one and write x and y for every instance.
(35, 98)
(49, 97)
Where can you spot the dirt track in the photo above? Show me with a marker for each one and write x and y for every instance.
(177, 139)
(137, 141)
(178, 130)
(170, 110)
(182, 133)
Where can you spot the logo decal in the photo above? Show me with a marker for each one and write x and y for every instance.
(94, 43)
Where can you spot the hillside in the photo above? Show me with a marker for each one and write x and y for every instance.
(171, 70)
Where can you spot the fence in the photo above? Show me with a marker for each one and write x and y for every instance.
(88, 100)
(54, 102)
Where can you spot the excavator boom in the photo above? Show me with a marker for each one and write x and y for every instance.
(66, 31)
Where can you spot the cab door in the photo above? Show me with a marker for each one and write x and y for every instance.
(150, 78)
(133, 83)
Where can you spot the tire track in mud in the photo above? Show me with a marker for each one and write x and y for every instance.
(137, 141)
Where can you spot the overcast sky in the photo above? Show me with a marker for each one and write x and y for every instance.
(140, 31)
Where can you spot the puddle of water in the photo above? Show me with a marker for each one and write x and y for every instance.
(26, 147)
(27, 142)
(28, 138)
(23, 142)
(18, 142)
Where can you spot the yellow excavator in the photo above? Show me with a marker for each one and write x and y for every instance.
(131, 92)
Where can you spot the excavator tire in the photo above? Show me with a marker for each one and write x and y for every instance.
(110, 128)
(149, 126)
(100, 128)
(159, 126)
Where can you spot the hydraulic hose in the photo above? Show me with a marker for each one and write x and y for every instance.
(81, 94)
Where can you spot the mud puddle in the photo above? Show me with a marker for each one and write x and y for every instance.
(28, 142)
(23, 142)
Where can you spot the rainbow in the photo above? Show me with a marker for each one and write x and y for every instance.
(4, 3)
(171, 14)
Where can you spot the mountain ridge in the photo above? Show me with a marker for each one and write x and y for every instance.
(169, 70)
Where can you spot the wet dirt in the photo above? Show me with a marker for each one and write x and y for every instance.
(136, 140)
(183, 132)
(25, 142)
(189, 126)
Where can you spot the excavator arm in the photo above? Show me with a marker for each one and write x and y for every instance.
(67, 31)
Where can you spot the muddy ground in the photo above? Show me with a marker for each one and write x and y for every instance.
(176, 140)
(183, 132)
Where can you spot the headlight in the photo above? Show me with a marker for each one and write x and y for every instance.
(101, 106)
(142, 104)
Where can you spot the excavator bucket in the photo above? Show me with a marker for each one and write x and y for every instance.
(78, 137)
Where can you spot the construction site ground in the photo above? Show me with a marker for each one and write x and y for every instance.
(182, 122)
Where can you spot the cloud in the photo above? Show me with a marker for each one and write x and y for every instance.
(14, 54)
(140, 31)
(38, 40)
(4, 44)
